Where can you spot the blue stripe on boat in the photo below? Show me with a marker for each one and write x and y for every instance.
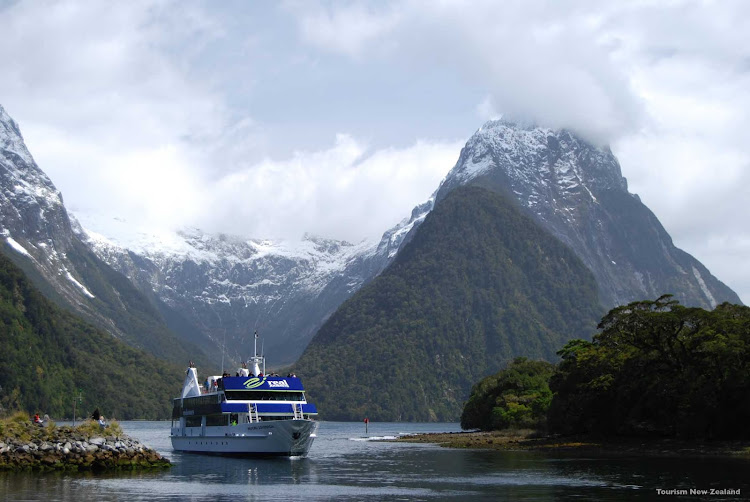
(233, 408)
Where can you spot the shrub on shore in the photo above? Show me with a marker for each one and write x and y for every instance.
(517, 397)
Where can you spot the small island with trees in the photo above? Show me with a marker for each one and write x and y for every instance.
(657, 377)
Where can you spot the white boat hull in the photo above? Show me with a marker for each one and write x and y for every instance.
(273, 437)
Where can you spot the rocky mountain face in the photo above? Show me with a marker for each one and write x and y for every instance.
(577, 192)
(227, 287)
(33, 213)
(37, 236)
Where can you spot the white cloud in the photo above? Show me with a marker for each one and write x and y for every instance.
(537, 60)
(486, 110)
(348, 28)
(345, 191)
(107, 110)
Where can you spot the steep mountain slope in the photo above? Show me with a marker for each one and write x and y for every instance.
(37, 235)
(576, 191)
(478, 284)
(49, 354)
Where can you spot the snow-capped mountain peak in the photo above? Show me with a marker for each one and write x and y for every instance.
(577, 192)
(539, 162)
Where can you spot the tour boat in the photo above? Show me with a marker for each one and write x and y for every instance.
(246, 415)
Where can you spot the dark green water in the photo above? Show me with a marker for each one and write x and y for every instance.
(343, 465)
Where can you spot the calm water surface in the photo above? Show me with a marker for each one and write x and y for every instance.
(346, 464)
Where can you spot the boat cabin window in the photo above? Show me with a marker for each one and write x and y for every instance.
(197, 401)
(193, 421)
(259, 395)
(214, 420)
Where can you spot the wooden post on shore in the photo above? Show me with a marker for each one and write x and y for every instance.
(76, 398)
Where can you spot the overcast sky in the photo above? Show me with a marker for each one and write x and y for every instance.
(271, 119)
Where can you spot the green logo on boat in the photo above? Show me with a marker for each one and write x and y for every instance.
(254, 382)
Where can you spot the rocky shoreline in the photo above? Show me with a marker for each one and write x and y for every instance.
(531, 441)
(84, 448)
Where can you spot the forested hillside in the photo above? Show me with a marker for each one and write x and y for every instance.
(48, 354)
(479, 284)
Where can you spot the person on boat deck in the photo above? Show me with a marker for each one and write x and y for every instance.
(205, 384)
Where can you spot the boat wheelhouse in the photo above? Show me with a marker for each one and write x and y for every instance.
(249, 414)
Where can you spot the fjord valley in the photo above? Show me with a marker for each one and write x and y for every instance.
(527, 242)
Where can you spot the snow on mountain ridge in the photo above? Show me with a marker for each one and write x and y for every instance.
(519, 150)
(11, 139)
(226, 282)
(24, 184)
(312, 260)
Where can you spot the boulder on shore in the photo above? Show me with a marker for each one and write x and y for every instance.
(27, 446)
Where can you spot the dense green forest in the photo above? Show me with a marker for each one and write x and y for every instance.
(478, 284)
(655, 368)
(48, 355)
(517, 397)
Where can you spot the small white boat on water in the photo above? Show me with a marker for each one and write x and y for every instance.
(247, 415)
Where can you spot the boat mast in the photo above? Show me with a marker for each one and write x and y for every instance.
(256, 359)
